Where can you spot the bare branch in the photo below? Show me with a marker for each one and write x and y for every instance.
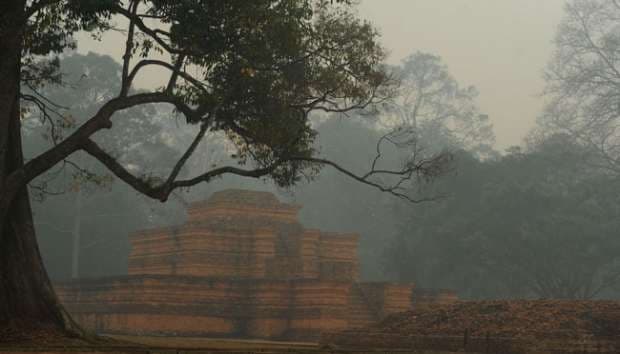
(596, 48)
(426, 167)
(45, 98)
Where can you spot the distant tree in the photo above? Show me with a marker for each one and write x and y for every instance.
(439, 112)
(430, 113)
(583, 80)
(531, 224)
(331, 202)
(252, 70)
(566, 246)
(427, 249)
(79, 199)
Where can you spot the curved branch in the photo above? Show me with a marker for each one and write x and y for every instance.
(424, 167)
(121, 172)
(174, 69)
(101, 120)
(163, 190)
(206, 177)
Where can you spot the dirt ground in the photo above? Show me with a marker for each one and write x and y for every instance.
(51, 342)
(213, 343)
(47, 338)
(508, 326)
(510, 318)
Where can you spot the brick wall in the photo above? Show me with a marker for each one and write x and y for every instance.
(242, 265)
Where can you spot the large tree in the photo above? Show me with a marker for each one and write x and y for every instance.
(250, 70)
(583, 80)
(439, 112)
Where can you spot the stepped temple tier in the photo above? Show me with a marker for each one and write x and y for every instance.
(241, 266)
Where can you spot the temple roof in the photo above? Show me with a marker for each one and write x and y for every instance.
(244, 198)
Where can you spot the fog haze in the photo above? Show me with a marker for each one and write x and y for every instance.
(486, 43)
(501, 47)
(491, 215)
(405, 171)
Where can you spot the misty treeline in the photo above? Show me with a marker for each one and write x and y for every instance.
(540, 220)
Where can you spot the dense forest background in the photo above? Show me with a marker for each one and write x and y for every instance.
(538, 220)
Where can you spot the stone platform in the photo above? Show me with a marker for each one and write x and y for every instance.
(241, 266)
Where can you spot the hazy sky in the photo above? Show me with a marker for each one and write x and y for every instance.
(499, 46)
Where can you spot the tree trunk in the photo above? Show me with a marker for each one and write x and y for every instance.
(27, 299)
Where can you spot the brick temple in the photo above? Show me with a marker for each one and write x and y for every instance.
(241, 266)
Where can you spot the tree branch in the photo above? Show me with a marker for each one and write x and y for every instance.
(144, 28)
(121, 172)
(163, 190)
(125, 82)
(422, 168)
(175, 72)
(596, 48)
(101, 120)
(206, 177)
(188, 153)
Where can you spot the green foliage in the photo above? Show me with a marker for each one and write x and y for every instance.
(261, 66)
(534, 224)
(50, 30)
(268, 63)
(250, 71)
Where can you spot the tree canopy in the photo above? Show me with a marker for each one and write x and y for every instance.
(261, 69)
(251, 72)
(440, 111)
(529, 224)
(582, 80)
